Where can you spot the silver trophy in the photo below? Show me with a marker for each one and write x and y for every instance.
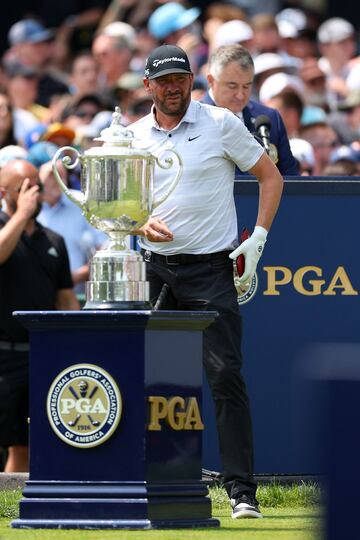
(117, 197)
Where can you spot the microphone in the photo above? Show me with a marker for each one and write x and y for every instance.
(262, 128)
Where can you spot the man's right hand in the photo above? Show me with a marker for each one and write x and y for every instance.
(26, 205)
(28, 199)
(155, 230)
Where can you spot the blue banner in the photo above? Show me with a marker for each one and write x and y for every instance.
(308, 284)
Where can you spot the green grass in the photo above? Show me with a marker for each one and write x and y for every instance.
(276, 496)
(290, 513)
(9, 504)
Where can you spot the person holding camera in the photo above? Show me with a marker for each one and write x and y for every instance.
(34, 275)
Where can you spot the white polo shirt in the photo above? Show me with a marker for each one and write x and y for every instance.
(200, 212)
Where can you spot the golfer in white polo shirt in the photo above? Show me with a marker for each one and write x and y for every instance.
(189, 241)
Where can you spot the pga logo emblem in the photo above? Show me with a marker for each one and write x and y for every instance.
(84, 405)
(245, 291)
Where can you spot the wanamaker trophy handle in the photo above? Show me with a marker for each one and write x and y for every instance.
(167, 163)
(68, 163)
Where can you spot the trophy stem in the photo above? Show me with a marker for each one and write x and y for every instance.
(117, 240)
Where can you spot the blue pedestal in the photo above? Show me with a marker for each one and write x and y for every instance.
(116, 422)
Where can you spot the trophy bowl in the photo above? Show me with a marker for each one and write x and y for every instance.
(116, 197)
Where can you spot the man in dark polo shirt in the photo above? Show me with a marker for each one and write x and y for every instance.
(34, 275)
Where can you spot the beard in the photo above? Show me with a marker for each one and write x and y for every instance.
(174, 109)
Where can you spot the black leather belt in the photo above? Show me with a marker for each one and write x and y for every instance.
(183, 258)
(12, 346)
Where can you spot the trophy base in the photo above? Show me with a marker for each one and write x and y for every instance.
(119, 305)
(117, 282)
(117, 295)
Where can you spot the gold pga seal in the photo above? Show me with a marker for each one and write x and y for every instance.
(84, 405)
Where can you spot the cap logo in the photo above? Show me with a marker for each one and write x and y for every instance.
(157, 62)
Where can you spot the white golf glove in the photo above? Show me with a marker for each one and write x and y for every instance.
(252, 249)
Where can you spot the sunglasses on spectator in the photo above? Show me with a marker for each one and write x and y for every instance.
(85, 114)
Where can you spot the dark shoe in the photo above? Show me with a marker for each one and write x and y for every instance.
(245, 506)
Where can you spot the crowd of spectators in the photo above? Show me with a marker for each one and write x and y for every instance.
(59, 85)
(307, 67)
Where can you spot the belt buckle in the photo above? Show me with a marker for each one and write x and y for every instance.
(168, 262)
(147, 256)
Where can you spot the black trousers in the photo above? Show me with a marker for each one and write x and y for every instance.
(209, 286)
(14, 398)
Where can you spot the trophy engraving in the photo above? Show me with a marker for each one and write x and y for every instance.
(116, 197)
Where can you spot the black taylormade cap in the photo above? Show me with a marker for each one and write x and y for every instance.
(166, 59)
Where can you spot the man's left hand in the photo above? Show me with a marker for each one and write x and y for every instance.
(252, 249)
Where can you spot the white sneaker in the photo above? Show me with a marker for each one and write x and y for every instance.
(245, 506)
